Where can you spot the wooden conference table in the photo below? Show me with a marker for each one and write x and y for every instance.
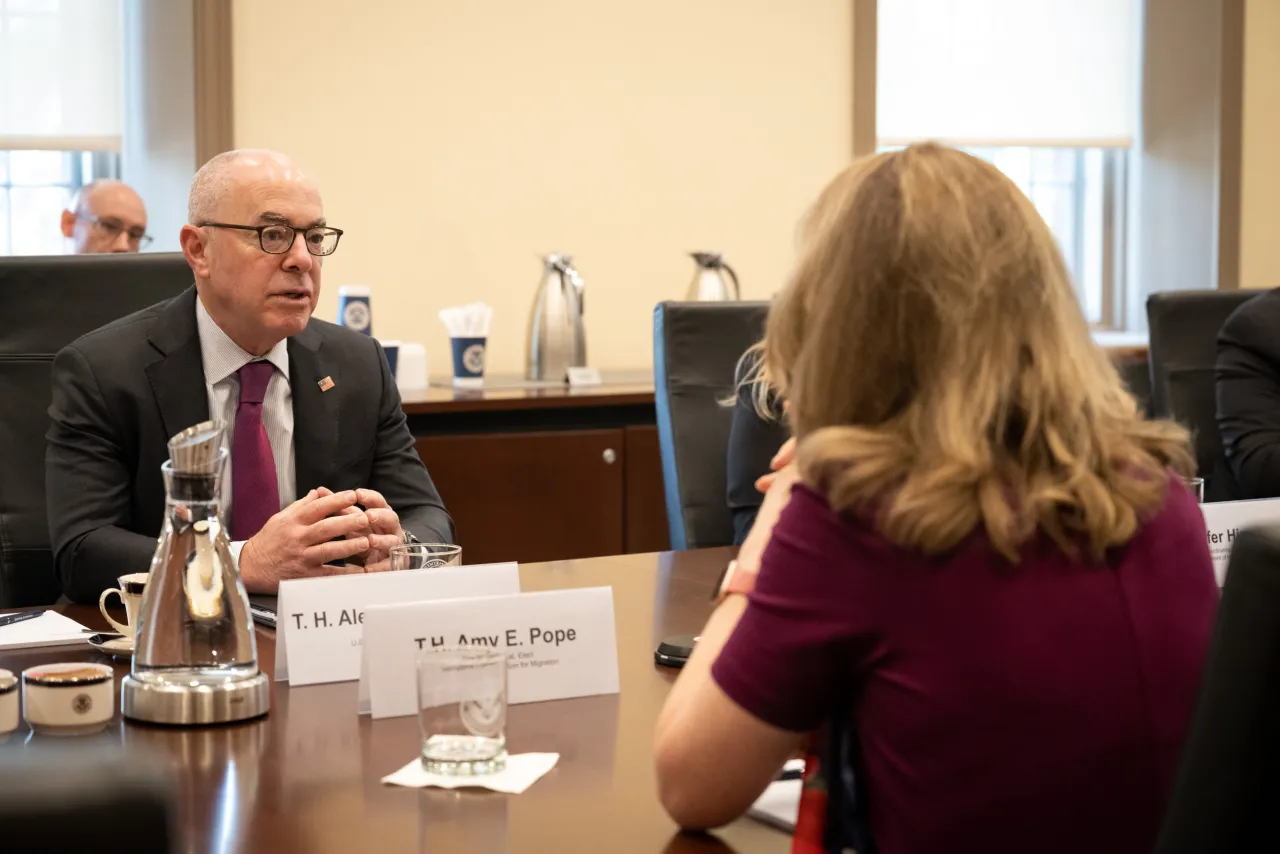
(307, 777)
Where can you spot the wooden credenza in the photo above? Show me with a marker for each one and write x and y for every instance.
(545, 474)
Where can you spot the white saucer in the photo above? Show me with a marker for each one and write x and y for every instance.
(117, 646)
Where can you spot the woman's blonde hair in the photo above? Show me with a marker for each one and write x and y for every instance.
(940, 374)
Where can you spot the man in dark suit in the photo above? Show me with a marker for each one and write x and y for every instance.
(1248, 391)
(322, 465)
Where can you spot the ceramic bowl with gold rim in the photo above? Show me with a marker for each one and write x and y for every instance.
(68, 699)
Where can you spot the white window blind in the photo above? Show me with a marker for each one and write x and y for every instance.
(60, 75)
(1060, 73)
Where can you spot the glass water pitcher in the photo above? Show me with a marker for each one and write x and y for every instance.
(196, 658)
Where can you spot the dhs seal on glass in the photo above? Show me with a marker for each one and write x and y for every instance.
(354, 309)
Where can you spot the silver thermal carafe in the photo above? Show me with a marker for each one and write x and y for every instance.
(196, 660)
(557, 340)
(710, 283)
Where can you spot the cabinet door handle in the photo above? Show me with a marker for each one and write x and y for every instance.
(610, 456)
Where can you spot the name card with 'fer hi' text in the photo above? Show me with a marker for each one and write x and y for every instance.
(1223, 521)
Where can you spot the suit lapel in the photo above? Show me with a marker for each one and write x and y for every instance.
(177, 378)
(315, 411)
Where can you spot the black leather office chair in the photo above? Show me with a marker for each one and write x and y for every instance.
(84, 798)
(1135, 371)
(1228, 780)
(1184, 328)
(696, 347)
(46, 303)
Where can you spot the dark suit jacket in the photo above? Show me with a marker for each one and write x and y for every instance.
(121, 391)
(1248, 395)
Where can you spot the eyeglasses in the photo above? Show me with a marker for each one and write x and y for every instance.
(112, 227)
(278, 239)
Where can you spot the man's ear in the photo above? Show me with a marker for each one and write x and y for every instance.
(195, 246)
(68, 224)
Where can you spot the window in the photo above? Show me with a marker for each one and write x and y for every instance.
(1060, 126)
(60, 112)
(35, 187)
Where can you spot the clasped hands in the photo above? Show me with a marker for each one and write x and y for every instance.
(303, 539)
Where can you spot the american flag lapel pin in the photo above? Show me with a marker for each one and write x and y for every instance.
(325, 384)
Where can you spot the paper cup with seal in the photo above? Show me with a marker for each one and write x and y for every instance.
(355, 308)
(468, 327)
(74, 698)
(468, 361)
(8, 703)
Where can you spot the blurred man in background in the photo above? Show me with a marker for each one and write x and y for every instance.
(106, 216)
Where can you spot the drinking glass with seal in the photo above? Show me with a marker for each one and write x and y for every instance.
(74, 698)
(462, 711)
(424, 555)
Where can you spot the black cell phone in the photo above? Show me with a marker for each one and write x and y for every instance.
(263, 609)
(675, 650)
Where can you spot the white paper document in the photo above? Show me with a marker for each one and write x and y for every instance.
(779, 806)
(49, 629)
(319, 621)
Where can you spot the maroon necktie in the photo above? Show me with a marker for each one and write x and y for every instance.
(255, 496)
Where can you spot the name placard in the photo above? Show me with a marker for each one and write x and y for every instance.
(319, 620)
(582, 377)
(559, 644)
(1225, 519)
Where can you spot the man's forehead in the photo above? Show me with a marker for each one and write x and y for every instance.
(262, 202)
(115, 201)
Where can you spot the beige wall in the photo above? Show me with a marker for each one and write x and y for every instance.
(1260, 161)
(456, 141)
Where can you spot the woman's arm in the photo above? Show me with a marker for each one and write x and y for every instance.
(714, 758)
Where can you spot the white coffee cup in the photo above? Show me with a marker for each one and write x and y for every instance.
(130, 592)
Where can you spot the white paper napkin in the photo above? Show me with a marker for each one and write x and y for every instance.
(522, 771)
(467, 321)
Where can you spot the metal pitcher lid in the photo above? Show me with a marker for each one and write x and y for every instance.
(558, 261)
(710, 260)
(195, 449)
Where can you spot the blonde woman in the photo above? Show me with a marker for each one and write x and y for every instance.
(989, 557)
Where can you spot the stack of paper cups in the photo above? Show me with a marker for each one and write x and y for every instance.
(411, 370)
